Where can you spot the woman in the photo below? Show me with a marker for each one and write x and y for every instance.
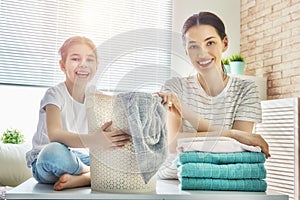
(210, 103)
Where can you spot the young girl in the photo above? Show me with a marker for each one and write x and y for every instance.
(59, 152)
(210, 103)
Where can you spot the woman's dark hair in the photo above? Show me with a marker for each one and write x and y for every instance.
(204, 18)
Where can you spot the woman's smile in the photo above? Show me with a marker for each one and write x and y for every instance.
(205, 63)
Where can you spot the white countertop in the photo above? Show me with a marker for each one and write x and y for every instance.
(165, 189)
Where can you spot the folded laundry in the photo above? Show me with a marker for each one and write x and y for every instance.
(237, 171)
(225, 171)
(256, 185)
(214, 145)
(217, 163)
(221, 158)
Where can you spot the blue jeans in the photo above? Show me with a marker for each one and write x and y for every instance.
(57, 159)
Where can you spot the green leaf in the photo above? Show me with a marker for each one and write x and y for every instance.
(236, 57)
(12, 136)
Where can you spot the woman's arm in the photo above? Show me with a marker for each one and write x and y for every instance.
(241, 130)
(181, 110)
(243, 126)
(249, 138)
(245, 137)
(102, 138)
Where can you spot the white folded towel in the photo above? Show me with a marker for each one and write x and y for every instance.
(214, 145)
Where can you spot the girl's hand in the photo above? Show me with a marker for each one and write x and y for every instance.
(116, 138)
(173, 103)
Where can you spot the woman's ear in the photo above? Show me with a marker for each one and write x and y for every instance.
(225, 43)
(62, 65)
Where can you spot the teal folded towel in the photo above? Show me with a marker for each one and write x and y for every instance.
(221, 158)
(226, 171)
(253, 185)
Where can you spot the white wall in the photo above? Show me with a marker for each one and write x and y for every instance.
(19, 107)
(227, 10)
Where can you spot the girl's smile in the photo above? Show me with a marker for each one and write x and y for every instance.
(82, 74)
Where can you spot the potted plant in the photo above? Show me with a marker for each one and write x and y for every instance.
(12, 136)
(237, 64)
(226, 64)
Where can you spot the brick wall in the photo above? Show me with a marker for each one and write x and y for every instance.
(270, 43)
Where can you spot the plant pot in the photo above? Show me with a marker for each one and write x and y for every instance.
(237, 67)
(227, 69)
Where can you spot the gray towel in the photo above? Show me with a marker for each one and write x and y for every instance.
(147, 123)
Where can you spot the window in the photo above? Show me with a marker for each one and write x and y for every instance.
(133, 39)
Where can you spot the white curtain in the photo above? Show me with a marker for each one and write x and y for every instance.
(133, 39)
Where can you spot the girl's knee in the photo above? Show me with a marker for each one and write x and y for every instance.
(56, 146)
(54, 149)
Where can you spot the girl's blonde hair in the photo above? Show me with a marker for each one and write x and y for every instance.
(63, 51)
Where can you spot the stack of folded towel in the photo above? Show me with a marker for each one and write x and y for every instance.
(216, 169)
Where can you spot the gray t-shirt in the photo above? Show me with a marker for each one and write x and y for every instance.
(239, 100)
(73, 116)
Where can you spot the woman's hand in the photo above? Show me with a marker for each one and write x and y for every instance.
(251, 139)
(183, 111)
(110, 139)
(173, 102)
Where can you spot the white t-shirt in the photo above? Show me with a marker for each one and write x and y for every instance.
(239, 100)
(73, 116)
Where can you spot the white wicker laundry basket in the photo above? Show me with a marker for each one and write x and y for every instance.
(113, 170)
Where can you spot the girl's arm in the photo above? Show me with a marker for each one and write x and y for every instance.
(102, 138)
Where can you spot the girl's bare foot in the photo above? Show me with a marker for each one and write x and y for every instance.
(72, 181)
